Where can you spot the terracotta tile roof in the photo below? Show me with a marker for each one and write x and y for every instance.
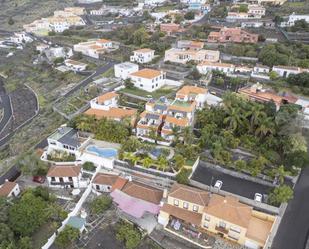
(147, 73)
(95, 47)
(183, 214)
(186, 90)
(119, 183)
(75, 62)
(189, 194)
(112, 113)
(143, 192)
(107, 96)
(143, 50)
(103, 41)
(259, 229)
(64, 171)
(230, 209)
(177, 121)
(7, 188)
(105, 179)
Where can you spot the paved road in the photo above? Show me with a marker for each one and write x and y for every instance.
(294, 228)
(6, 105)
(235, 185)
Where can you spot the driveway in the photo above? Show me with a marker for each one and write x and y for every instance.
(294, 228)
(232, 184)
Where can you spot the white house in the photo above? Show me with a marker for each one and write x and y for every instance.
(52, 53)
(123, 70)
(285, 71)
(261, 69)
(206, 66)
(65, 139)
(143, 55)
(293, 18)
(9, 189)
(192, 93)
(21, 37)
(105, 101)
(65, 176)
(104, 182)
(75, 66)
(255, 10)
(148, 79)
(94, 48)
(153, 2)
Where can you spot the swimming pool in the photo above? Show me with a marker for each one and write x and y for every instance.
(102, 152)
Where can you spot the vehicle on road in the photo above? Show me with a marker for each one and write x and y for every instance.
(258, 197)
(218, 184)
(39, 179)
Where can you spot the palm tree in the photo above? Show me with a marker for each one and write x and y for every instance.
(132, 158)
(147, 161)
(162, 163)
(175, 133)
(85, 123)
(280, 173)
(255, 113)
(234, 118)
(265, 126)
(187, 135)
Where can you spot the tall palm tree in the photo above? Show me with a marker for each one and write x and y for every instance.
(265, 126)
(234, 118)
(255, 113)
(187, 135)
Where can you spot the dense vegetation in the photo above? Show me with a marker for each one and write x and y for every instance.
(128, 234)
(20, 219)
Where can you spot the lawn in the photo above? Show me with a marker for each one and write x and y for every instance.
(163, 91)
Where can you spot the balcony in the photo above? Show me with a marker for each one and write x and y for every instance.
(61, 183)
(221, 230)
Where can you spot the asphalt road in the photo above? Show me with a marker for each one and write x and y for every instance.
(7, 110)
(294, 228)
(234, 185)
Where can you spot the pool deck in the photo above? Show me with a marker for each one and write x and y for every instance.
(100, 144)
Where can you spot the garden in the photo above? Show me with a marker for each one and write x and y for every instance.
(222, 81)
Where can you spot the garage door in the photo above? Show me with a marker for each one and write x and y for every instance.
(250, 244)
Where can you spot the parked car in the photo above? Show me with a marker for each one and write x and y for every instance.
(39, 179)
(218, 184)
(258, 197)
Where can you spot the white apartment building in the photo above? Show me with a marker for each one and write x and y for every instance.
(293, 18)
(123, 70)
(256, 10)
(148, 79)
(285, 71)
(143, 55)
(75, 66)
(205, 67)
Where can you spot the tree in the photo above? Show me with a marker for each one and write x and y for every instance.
(178, 18)
(100, 204)
(255, 113)
(58, 60)
(195, 74)
(67, 236)
(131, 145)
(140, 36)
(132, 158)
(25, 243)
(240, 165)
(128, 83)
(280, 173)
(187, 135)
(243, 8)
(189, 15)
(147, 162)
(280, 195)
(265, 126)
(6, 234)
(162, 163)
(128, 234)
(179, 161)
(183, 176)
(89, 166)
(273, 75)
(233, 119)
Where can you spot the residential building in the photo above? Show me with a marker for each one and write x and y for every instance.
(285, 71)
(95, 48)
(236, 35)
(21, 37)
(256, 11)
(75, 66)
(268, 2)
(105, 182)
(185, 55)
(148, 79)
(193, 93)
(257, 93)
(65, 139)
(293, 18)
(144, 55)
(159, 106)
(153, 2)
(53, 53)
(261, 69)
(123, 70)
(65, 176)
(206, 66)
(212, 213)
(106, 106)
(170, 28)
(136, 199)
(187, 44)
(9, 189)
(237, 15)
(149, 123)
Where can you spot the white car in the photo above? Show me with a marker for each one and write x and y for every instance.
(258, 197)
(218, 184)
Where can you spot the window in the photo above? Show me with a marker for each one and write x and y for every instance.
(53, 179)
(222, 224)
(195, 208)
(207, 218)
(176, 203)
(205, 225)
(152, 86)
(70, 179)
(141, 85)
(97, 187)
(235, 229)
(185, 205)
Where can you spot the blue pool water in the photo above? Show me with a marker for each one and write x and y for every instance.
(103, 152)
(156, 152)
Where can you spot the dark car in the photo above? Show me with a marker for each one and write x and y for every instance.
(39, 179)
